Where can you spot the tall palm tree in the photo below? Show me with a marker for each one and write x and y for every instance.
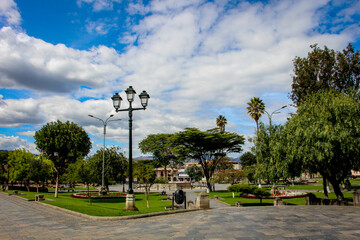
(221, 122)
(256, 108)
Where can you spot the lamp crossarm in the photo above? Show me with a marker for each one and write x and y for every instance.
(129, 109)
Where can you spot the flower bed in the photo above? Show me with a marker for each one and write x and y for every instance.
(273, 197)
(96, 195)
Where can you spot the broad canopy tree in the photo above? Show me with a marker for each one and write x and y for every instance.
(324, 136)
(207, 148)
(62, 143)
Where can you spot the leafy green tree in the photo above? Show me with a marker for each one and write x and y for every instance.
(195, 173)
(272, 162)
(4, 155)
(221, 121)
(256, 109)
(81, 171)
(324, 136)
(40, 170)
(231, 176)
(161, 149)
(250, 173)
(115, 169)
(19, 165)
(62, 143)
(247, 159)
(325, 69)
(23, 166)
(207, 148)
(145, 175)
(248, 162)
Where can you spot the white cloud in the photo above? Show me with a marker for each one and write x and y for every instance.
(101, 26)
(15, 142)
(27, 133)
(99, 5)
(9, 13)
(27, 62)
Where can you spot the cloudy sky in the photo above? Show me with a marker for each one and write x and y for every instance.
(197, 59)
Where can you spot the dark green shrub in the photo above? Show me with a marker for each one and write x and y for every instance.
(161, 180)
(249, 189)
(242, 188)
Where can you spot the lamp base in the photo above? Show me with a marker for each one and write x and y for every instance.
(130, 203)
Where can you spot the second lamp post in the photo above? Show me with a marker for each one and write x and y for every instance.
(102, 189)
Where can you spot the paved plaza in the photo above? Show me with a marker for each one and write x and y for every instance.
(21, 219)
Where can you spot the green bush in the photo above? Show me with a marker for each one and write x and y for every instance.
(249, 189)
(161, 180)
(242, 188)
(260, 192)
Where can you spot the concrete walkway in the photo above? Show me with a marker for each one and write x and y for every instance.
(21, 219)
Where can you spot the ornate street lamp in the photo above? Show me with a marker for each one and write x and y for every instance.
(144, 97)
(102, 189)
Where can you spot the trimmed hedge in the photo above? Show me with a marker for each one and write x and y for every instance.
(249, 189)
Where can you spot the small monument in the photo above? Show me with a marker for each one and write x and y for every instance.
(203, 201)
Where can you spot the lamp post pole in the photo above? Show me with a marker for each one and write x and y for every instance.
(144, 97)
(103, 163)
(274, 112)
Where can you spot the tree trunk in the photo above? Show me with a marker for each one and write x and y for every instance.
(57, 185)
(208, 184)
(325, 188)
(88, 192)
(166, 175)
(147, 193)
(337, 189)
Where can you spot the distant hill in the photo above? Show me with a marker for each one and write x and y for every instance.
(143, 158)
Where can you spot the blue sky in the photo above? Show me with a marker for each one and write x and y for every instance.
(64, 59)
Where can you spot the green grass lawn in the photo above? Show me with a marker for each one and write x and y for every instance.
(76, 188)
(103, 207)
(226, 197)
(305, 187)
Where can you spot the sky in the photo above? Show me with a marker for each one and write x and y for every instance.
(197, 59)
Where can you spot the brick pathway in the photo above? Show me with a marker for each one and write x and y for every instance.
(21, 219)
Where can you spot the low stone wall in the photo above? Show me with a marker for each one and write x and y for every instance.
(23, 188)
(171, 186)
(279, 202)
(311, 199)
